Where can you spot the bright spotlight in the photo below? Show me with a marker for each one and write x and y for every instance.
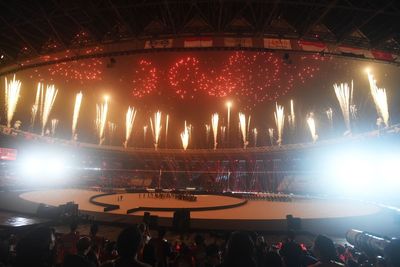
(55, 167)
(367, 70)
(42, 168)
(229, 104)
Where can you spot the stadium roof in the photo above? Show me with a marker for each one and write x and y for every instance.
(31, 28)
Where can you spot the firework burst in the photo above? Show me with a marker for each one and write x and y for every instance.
(329, 115)
(208, 131)
(101, 119)
(12, 90)
(185, 136)
(36, 105)
(243, 129)
(255, 135)
(279, 115)
(380, 99)
(75, 116)
(344, 94)
(214, 125)
(129, 120)
(271, 136)
(54, 124)
(156, 127)
(47, 104)
(311, 126)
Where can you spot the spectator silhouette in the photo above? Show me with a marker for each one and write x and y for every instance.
(128, 244)
(80, 259)
(240, 251)
(291, 251)
(70, 240)
(35, 249)
(325, 251)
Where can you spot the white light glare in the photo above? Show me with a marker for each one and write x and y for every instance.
(43, 168)
(364, 173)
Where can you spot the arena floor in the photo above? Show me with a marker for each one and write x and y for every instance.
(330, 216)
(252, 210)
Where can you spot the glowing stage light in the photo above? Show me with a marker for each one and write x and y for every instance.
(101, 119)
(156, 127)
(380, 99)
(185, 136)
(47, 104)
(243, 130)
(12, 90)
(279, 115)
(311, 126)
(214, 126)
(344, 94)
(129, 120)
(75, 116)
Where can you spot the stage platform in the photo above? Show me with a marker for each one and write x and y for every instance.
(318, 215)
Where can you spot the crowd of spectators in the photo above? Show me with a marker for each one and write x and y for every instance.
(135, 246)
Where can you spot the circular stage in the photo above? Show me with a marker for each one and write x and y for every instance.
(317, 214)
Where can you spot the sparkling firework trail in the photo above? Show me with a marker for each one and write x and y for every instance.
(380, 99)
(12, 90)
(112, 127)
(185, 136)
(129, 120)
(292, 117)
(54, 124)
(36, 105)
(75, 116)
(223, 133)
(248, 125)
(214, 124)
(255, 134)
(329, 114)
(144, 133)
(271, 135)
(229, 105)
(208, 130)
(101, 119)
(156, 127)
(344, 95)
(353, 111)
(243, 130)
(166, 130)
(311, 126)
(279, 115)
(49, 98)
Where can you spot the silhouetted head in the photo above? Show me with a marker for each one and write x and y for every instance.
(35, 248)
(129, 241)
(324, 249)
